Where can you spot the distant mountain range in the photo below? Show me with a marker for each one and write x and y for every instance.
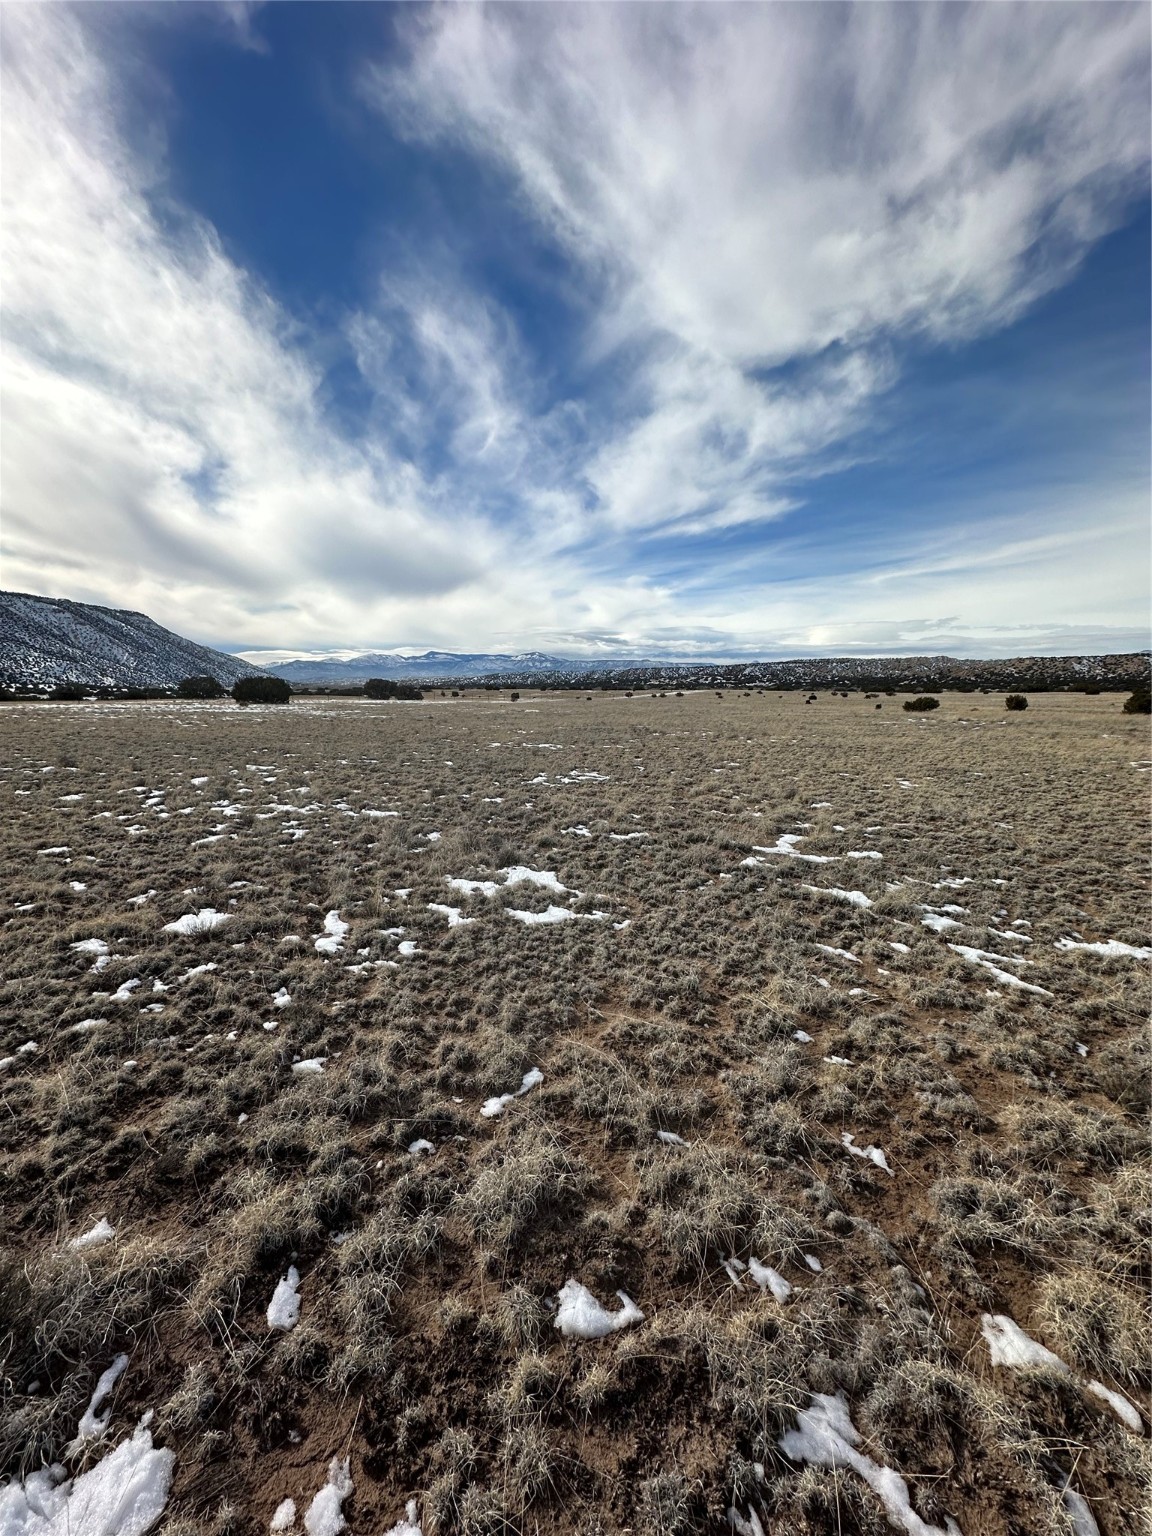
(430, 666)
(46, 641)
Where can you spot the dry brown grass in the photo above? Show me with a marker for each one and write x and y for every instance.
(426, 1349)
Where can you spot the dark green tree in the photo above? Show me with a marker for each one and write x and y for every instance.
(261, 690)
(200, 688)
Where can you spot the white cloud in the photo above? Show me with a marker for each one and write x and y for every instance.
(765, 181)
(741, 190)
(745, 185)
(162, 421)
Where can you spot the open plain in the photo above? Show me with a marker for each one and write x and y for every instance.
(355, 1056)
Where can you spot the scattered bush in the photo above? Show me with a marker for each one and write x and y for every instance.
(70, 693)
(200, 688)
(1139, 701)
(385, 688)
(924, 702)
(261, 690)
(1015, 701)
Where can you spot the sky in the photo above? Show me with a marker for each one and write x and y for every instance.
(602, 330)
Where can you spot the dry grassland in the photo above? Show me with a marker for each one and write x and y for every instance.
(669, 1000)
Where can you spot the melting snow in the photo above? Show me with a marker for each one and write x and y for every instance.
(332, 939)
(841, 954)
(551, 914)
(531, 1079)
(199, 970)
(857, 898)
(124, 1494)
(102, 1232)
(409, 1526)
(308, 1068)
(580, 1315)
(826, 1437)
(785, 845)
(670, 1139)
(1119, 1405)
(197, 922)
(455, 916)
(1082, 1518)
(986, 958)
(325, 1516)
(1110, 947)
(94, 1423)
(938, 923)
(1010, 1346)
(769, 1279)
(284, 1308)
(873, 1154)
(97, 947)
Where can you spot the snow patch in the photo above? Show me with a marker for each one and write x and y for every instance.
(841, 954)
(769, 1279)
(102, 1232)
(409, 1526)
(1119, 1405)
(203, 921)
(124, 1494)
(785, 845)
(986, 959)
(1112, 948)
(855, 898)
(284, 1308)
(491, 1107)
(580, 1315)
(93, 1423)
(873, 1154)
(455, 916)
(331, 941)
(826, 1437)
(1010, 1346)
(325, 1516)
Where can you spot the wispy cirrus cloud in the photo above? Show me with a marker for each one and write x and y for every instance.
(757, 213)
(745, 186)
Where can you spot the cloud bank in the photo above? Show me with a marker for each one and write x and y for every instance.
(757, 211)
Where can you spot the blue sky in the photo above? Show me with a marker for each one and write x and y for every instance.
(723, 330)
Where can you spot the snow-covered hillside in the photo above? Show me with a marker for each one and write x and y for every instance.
(45, 641)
